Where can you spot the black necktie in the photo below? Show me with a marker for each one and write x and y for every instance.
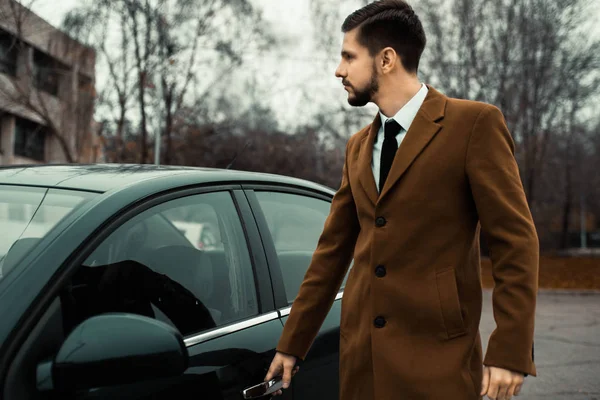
(388, 151)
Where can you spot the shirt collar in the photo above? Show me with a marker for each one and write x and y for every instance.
(406, 115)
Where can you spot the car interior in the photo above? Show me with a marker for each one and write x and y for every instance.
(147, 268)
(204, 273)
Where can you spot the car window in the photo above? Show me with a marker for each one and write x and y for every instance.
(27, 214)
(295, 223)
(159, 264)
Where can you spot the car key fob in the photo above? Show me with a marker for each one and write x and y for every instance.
(263, 388)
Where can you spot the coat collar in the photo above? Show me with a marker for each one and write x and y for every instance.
(420, 133)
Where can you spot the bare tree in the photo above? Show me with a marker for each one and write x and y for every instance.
(517, 54)
(93, 24)
(173, 53)
(130, 64)
(191, 36)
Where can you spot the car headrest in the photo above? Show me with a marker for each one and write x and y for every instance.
(190, 267)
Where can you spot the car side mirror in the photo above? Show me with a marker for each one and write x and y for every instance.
(113, 349)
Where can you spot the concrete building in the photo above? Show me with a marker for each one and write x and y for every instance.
(46, 92)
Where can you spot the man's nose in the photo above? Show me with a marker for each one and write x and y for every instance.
(340, 72)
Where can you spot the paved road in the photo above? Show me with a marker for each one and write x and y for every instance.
(567, 346)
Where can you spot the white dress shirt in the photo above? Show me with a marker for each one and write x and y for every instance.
(404, 117)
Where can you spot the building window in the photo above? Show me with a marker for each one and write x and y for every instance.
(30, 139)
(86, 85)
(47, 72)
(8, 54)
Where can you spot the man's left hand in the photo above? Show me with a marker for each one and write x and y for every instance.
(501, 384)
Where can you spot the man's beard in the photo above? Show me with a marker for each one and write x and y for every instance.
(363, 96)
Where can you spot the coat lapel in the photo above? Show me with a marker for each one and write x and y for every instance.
(365, 159)
(420, 133)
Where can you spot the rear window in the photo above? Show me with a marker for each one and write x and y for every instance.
(27, 214)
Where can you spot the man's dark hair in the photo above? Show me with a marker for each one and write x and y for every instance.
(389, 23)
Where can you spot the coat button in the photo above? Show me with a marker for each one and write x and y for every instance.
(379, 322)
(380, 221)
(380, 271)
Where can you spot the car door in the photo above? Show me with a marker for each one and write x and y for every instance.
(230, 327)
(290, 222)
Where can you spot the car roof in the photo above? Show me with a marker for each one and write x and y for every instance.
(105, 177)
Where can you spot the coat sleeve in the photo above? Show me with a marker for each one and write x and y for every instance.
(512, 239)
(326, 272)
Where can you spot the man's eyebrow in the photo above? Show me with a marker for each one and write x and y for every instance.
(346, 53)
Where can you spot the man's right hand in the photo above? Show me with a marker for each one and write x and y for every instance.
(282, 364)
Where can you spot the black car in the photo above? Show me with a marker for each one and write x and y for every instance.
(139, 282)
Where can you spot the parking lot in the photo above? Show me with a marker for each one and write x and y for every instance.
(567, 345)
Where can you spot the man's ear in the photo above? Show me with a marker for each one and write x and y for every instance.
(388, 59)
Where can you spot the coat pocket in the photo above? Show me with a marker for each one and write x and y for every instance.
(450, 303)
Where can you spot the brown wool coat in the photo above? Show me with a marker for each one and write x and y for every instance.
(454, 174)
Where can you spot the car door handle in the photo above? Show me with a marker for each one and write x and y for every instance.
(263, 388)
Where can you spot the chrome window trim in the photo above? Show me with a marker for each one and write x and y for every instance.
(284, 312)
(228, 329)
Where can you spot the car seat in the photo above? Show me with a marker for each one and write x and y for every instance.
(191, 268)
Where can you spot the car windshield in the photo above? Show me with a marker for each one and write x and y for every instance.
(27, 214)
